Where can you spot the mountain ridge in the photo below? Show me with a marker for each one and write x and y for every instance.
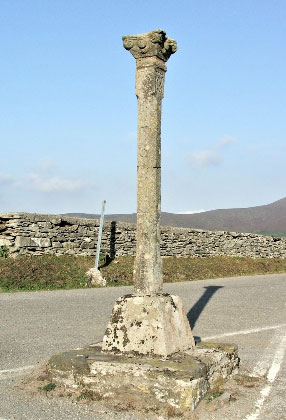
(268, 218)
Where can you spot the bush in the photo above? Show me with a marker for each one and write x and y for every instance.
(3, 251)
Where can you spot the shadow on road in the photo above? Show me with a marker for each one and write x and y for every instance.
(199, 306)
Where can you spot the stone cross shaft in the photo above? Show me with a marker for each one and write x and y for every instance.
(148, 321)
(151, 51)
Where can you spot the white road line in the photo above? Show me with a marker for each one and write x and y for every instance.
(271, 376)
(9, 372)
(278, 358)
(265, 360)
(241, 332)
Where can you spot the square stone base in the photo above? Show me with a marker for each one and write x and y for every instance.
(179, 381)
(148, 325)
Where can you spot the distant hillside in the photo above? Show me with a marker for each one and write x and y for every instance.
(268, 219)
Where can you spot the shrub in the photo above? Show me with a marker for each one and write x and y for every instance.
(3, 251)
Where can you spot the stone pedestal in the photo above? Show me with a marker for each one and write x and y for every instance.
(154, 325)
(149, 383)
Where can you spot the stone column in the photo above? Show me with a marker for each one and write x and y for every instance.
(151, 51)
(148, 322)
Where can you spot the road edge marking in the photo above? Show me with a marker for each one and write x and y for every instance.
(271, 376)
(5, 372)
(244, 332)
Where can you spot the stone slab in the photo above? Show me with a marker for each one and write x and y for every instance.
(177, 382)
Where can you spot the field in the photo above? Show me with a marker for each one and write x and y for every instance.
(67, 272)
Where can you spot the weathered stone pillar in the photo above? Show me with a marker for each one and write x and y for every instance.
(148, 322)
(147, 359)
(151, 51)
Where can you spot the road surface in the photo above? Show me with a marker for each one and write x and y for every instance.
(249, 311)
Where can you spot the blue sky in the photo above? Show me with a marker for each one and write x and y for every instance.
(68, 111)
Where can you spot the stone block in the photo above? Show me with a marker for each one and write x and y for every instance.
(41, 242)
(95, 277)
(69, 245)
(56, 221)
(85, 245)
(45, 225)
(179, 381)
(5, 242)
(149, 324)
(57, 244)
(24, 241)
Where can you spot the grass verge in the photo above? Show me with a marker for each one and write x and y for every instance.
(49, 272)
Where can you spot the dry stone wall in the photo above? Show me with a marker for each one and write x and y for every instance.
(38, 234)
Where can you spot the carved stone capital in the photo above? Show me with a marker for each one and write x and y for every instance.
(151, 44)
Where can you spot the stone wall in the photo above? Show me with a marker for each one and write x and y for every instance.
(38, 234)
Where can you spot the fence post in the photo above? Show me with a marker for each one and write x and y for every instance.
(99, 235)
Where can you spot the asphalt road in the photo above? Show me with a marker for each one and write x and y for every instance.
(249, 311)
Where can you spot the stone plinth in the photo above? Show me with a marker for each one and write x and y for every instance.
(155, 325)
(179, 381)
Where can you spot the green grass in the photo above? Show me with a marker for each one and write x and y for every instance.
(212, 395)
(49, 387)
(46, 272)
(49, 272)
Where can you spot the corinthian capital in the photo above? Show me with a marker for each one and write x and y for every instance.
(151, 44)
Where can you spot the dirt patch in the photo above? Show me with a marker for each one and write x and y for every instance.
(225, 399)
